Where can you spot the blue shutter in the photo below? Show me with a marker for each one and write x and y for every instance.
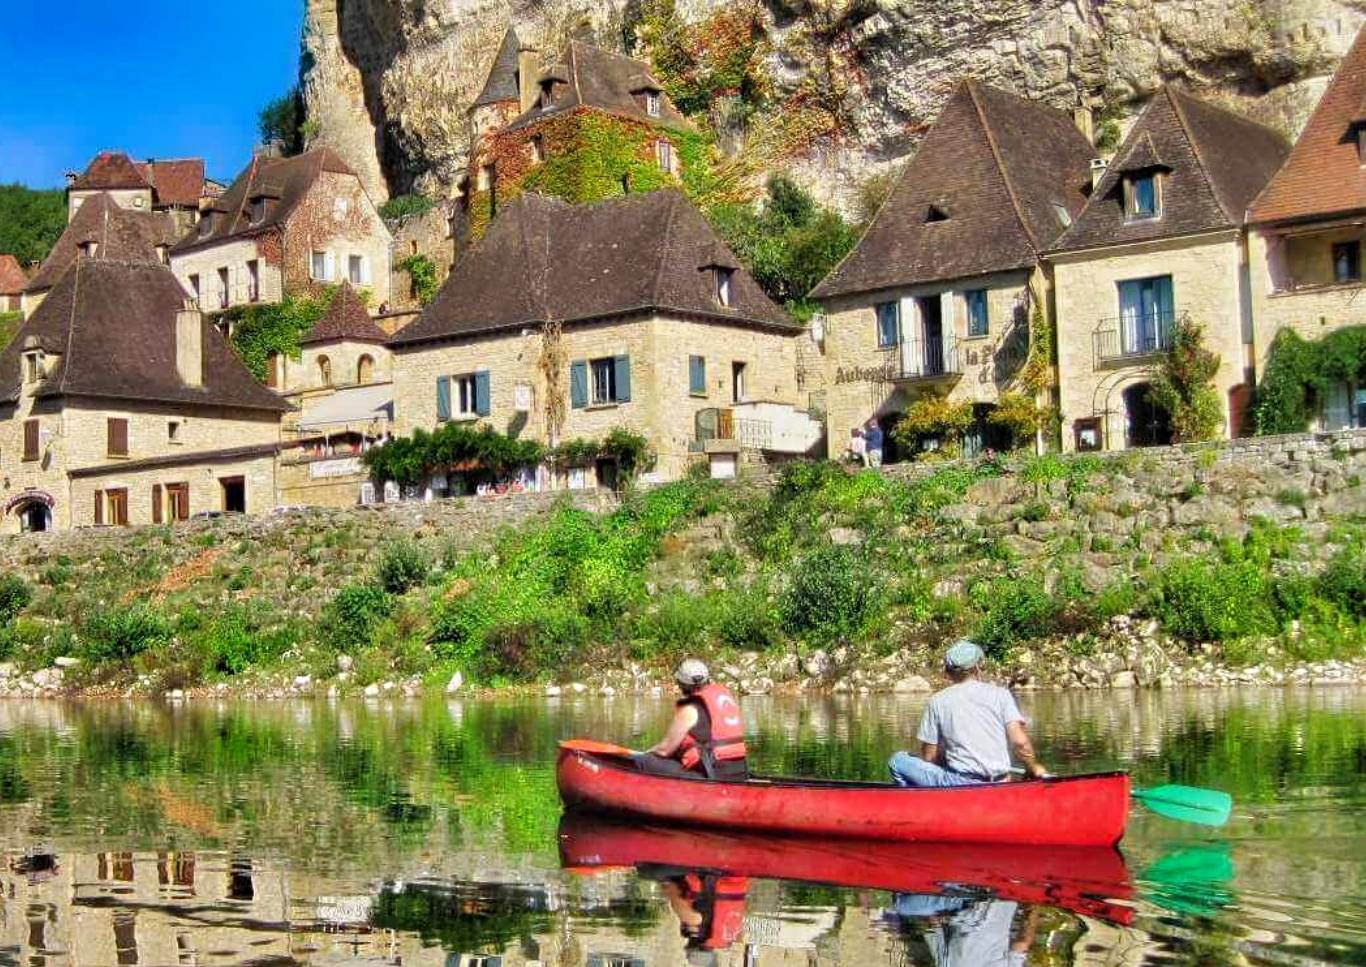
(443, 397)
(481, 393)
(578, 384)
(888, 324)
(623, 367)
(697, 375)
(978, 323)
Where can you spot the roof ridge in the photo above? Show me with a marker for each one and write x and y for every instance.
(971, 85)
(71, 324)
(666, 239)
(1194, 142)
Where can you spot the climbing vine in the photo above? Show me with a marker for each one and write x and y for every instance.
(261, 331)
(1184, 385)
(1299, 372)
(409, 460)
(422, 271)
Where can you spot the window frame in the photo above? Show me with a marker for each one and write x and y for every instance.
(358, 269)
(879, 324)
(1132, 212)
(664, 155)
(116, 427)
(253, 280)
(723, 279)
(1352, 248)
(607, 366)
(974, 299)
(224, 277)
(464, 397)
(654, 104)
(697, 376)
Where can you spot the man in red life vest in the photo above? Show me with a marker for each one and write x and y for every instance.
(710, 908)
(707, 735)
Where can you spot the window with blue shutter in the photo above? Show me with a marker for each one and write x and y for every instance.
(888, 324)
(443, 397)
(578, 384)
(697, 375)
(978, 323)
(1143, 196)
(481, 393)
(622, 389)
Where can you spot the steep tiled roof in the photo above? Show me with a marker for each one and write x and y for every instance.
(599, 79)
(576, 262)
(112, 324)
(1215, 162)
(345, 321)
(110, 171)
(982, 194)
(120, 233)
(283, 182)
(12, 277)
(179, 182)
(1324, 175)
(501, 84)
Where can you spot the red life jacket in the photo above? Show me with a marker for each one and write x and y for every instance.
(727, 742)
(727, 895)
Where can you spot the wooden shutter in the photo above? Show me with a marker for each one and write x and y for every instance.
(120, 500)
(156, 503)
(30, 439)
(182, 501)
(578, 384)
(118, 437)
(482, 402)
(443, 397)
(623, 379)
(697, 375)
(99, 507)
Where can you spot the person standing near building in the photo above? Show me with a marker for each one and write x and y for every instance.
(873, 438)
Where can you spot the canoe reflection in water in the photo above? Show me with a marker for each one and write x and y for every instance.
(965, 899)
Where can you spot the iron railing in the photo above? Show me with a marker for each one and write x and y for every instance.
(1143, 334)
(914, 359)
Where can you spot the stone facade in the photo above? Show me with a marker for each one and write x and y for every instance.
(135, 199)
(661, 406)
(220, 277)
(1208, 277)
(428, 234)
(207, 479)
(331, 365)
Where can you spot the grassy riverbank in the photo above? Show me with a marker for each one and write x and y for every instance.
(1034, 563)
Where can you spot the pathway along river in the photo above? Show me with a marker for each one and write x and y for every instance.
(428, 833)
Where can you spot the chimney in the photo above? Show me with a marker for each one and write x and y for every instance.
(528, 67)
(1086, 123)
(1098, 168)
(189, 344)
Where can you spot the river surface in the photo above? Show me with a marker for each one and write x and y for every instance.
(430, 833)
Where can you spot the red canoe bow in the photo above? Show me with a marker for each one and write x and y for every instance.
(1088, 810)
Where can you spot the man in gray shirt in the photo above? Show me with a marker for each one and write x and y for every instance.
(968, 730)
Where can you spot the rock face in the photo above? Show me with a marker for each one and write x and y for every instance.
(387, 81)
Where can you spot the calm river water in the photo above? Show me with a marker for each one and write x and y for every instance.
(430, 833)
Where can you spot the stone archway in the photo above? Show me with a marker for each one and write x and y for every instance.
(33, 509)
(1146, 423)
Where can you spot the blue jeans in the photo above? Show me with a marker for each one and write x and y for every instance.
(911, 770)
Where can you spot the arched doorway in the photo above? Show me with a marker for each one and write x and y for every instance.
(365, 369)
(34, 518)
(1148, 425)
(892, 450)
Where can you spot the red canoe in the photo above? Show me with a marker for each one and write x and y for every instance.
(1090, 880)
(1075, 811)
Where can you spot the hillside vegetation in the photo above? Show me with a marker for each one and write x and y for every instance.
(31, 220)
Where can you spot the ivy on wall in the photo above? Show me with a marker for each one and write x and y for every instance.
(422, 271)
(261, 331)
(1300, 371)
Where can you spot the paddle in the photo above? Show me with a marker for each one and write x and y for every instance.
(1187, 804)
(596, 748)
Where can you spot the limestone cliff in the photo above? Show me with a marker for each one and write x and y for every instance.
(847, 84)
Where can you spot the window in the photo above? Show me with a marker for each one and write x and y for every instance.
(697, 375)
(664, 152)
(600, 382)
(737, 380)
(33, 367)
(194, 285)
(324, 371)
(340, 208)
(978, 322)
(365, 369)
(1146, 313)
(164, 254)
(652, 103)
(89, 249)
(31, 437)
(139, 201)
(463, 397)
(1087, 434)
(254, 281)
(324, 266)
(170, 503)
(724, 281)
(1347, 262)
(258, 210)
(358, 270)
(936, 214)
(111, 507)
(173, 431)
(223, 294)
(1143, 200)
(116, 437)
(604, 381)
(234, 494)
(888, 324)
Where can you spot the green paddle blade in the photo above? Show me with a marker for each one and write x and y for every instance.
(1188, 804)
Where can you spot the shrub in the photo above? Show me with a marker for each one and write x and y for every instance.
(829, 592)
(1020, 416)
(57, 574)
(402, 566)
(352, 616)
(1013, 609)
(934, 418)
(403, 206)
(121, 633)
(1184, 385)
(1343, 582)
(1201, 600)
(549, 640)
(15, 596)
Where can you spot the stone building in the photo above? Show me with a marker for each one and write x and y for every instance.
(600, 121)
(568, 321)
(175, 186)
(120, 404)
(1161, 240)
(12, 284)
(285, 225)
(1306, 234)
(937, 297)
(101, 229)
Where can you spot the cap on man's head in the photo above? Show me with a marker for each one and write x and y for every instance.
(964, 654)
(692, 673)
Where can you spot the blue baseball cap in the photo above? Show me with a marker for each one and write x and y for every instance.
(964, 654)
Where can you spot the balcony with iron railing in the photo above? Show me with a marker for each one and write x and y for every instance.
(918, 359)
(1129, 338)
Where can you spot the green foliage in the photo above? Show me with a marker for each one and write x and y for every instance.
(605, 154)
(1018, 415)
(788, 243)
(871, 192)
(409, 460)
(720, 57)
(1299, 372)
(9, 325)
(934, 417)
(31, 221)
(1200, 600)
(830, 592)
(122, 632)
(422, 270)
(1343, 582)
(402, 566)
(236, 639)
(262, 331)
(351, 618)
(631, 450)
(405, 206)
(15, 596)
(1183, 385)
(283, 120)
(1013, 608)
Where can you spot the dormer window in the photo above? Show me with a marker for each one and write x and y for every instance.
(652, 103)
(258, 210)
(206, 224)
(34, 369)
(724, 279)
(1142, 195)
(90, 249)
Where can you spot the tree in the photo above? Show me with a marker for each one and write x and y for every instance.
(284, 120)
(31, 220)
(1184, 385)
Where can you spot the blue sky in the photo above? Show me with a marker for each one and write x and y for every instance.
(155, 78)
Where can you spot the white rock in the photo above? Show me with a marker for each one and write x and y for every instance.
(344, 663)
(371, 690)
(66, 661)
(388, 686)
(553, 691)
(912, 685)
(303, 681)
(8, 669)
(47, 677)
(578, 688)
(1123, 680)
(454, 684)
(176, 695)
